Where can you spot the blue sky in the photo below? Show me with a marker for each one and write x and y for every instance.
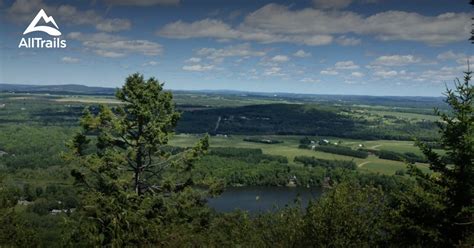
(369, 47)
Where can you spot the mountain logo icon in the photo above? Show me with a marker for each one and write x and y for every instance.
(47, 29)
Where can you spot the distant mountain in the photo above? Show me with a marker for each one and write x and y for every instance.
(57, 89)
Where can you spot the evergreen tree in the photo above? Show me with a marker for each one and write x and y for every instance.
(133, 189)
(441, 208)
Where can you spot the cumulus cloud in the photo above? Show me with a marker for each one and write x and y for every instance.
(141, 3)
(114, 46)
(112, 25)
(460, 58)
(330, 72)
(273, 71)
(346, 65)
(399, 25)
(357, 74)
(23, 11)
(280, 58)
(242, 50)
(198, 67)
(396, 60)
(278, 23)
(310, 80)
(70, 60)
(193, 60)
(199, 29)
(301, 54)
(348, 41)
(385, 73)
(150, 63)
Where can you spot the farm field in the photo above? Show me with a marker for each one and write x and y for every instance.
(289, 148)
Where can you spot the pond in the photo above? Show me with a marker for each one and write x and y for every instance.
(261, 198)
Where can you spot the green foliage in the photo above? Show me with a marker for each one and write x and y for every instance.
(341, 150)
(298, 119)
(407, 156)
(244, 171)
(348, 216)
(14, 231)
(330, 164)
(262, 140)
(131, 187)
(441, 209)
(248, 155)
(42, 149)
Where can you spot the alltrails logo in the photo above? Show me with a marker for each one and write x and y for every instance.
(38, 42)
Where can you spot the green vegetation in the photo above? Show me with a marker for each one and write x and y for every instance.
(262, 140)
(121, 178)
(312, 161)
(342, 151)
(309, 119)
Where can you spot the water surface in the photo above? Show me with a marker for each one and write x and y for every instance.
(261, 198)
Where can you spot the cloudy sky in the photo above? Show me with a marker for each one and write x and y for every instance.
(370, 47)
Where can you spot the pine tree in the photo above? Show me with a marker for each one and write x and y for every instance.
(449, 189)
(133, 188)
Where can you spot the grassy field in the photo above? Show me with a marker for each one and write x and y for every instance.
(289, 148)
(88, 99)
(404, 115)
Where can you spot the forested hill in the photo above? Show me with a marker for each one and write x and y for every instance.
(57, 89)
(299, 119)
(391, 101)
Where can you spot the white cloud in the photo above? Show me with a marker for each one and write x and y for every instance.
(114, 46)
(399, 25)
(150, 63)
(109, 54)
(142, 2)
(443, 75)
(357, 74)
(450, 55)
(280, 58)
(273, 71)
(243, 50)
(329, 72)
(396, 60)
(278, 23)
(198, 67)
(69, 60)
(346, 65)
(23, 11)
(385, 73)
(301, 54)
(112, 25)
(198, 29)
(193, 60)
(460, 58)
(347, 41)
(310, 80)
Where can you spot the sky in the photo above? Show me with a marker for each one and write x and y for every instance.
(357, 47)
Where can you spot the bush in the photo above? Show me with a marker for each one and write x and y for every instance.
(341, 150)
(330, 164)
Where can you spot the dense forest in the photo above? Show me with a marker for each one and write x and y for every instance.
(298, 120)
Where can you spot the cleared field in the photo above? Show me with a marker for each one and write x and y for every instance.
(80, 99)
(289, 148)
(405, 115)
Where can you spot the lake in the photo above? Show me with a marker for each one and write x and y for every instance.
(261, 198)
